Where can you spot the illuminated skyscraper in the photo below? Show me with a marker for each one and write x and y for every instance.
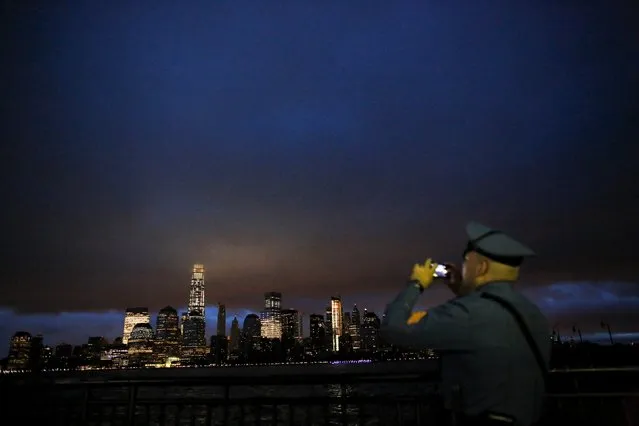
(167, 333)
(140, 349)
(234, 344)
(183, 318)
(194, 339)
(328, 327)
(132, 317)
(273, 300)
(271, 316)
(346, 323)
(251, 333)
(317, 331)
(19, 351)
(291, 324)
(355, 327)
(196, 295)
(370, 331)
(337, 314)
(251, 328)
(194, 325)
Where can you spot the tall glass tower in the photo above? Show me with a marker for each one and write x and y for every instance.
(271, 316)
(196, 295)
(167, 333)
(337, 316)
(194, 325)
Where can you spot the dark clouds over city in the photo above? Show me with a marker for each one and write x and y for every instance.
(313, 149)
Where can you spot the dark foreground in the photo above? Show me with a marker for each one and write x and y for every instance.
(381, 394)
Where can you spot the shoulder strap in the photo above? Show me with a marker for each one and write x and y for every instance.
(524, 329)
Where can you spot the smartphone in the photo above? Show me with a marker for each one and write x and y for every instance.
(440, 271)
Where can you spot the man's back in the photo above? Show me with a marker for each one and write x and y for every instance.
(485, 352)
(498, 372)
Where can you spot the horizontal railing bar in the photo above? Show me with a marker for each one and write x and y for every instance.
(266, 401)
(232, 377)
(595, 370)
(272, 379)
(284, 380)
(353, 400)
(594, 395)
(62, 379)
(246, 381)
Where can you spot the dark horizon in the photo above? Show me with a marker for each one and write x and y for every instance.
(312, 149)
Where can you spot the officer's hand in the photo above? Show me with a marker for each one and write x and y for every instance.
(424, 273)
(454, 279)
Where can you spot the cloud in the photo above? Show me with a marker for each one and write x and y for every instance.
(604, 338)
(579, 297)
(584, 305)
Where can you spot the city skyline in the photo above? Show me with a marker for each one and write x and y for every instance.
(113, 320)
(112, 327)
(312, 159)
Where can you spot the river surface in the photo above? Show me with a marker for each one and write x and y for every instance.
(182, 401)
(192, 396)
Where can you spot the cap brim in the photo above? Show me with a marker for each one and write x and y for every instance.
(499, 243)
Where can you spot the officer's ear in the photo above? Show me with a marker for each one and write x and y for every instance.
(483, 266)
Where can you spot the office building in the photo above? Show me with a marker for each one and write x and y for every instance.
(133, 317)
(167, 333)
(337, 316)
(271, 316)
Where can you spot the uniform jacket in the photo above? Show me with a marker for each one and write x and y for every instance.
(482, 348)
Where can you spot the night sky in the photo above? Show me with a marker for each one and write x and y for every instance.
(312, 148)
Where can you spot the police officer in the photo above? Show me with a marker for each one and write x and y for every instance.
(494, 343)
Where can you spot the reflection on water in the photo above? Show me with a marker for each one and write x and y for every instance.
(343, 413)
(170, 405)
(244, 408)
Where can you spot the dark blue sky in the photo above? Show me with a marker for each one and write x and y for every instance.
(312, 148)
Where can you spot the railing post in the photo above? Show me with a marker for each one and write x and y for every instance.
(456, 405)
(631, 411)
(343, 405)
(85, 405)
(133, 393)
(227, 401)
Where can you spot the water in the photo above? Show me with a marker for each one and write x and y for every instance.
(336, 413)
(194, 403)
(177, 405)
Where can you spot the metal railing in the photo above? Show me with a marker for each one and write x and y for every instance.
(584, 397)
